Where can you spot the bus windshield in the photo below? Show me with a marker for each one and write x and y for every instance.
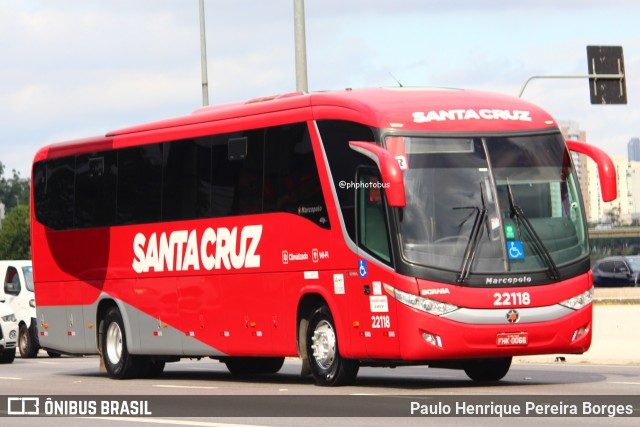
(491, 205)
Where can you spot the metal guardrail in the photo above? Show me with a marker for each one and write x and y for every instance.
(614, 232)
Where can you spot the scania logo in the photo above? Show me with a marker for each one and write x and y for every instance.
(513, 316)
(437, 291)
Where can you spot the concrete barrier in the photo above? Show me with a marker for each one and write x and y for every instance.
(617, 296)
(616, 331)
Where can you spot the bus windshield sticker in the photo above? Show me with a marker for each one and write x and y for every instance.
(396, 147)
(515, 249)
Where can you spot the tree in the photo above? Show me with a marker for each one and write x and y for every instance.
(15, 234)
(614, 216)
(13, 191)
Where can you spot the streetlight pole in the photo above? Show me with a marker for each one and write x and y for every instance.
(300, 46)
(203, 57)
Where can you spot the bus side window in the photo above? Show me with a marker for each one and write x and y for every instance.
(372, 224)
(54, 192)
(186, 192)
(250, 183)
(292, 182)
(95, 189)
(139, 190)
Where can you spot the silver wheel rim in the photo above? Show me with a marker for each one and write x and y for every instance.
(324, 344)
(22, 338)
(114, 343)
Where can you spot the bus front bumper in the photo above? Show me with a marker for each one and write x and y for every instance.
(429, 337)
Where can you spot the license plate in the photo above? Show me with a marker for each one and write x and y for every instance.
(511, 339)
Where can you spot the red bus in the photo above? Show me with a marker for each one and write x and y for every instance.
(370, 227)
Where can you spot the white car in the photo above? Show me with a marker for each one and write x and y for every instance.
(8, 334)
(17, 292)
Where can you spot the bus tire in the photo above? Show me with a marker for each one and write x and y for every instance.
(328, 368)
(27, 345)
(488, 369)
(120, 364)
(7, 355)
(254, 365)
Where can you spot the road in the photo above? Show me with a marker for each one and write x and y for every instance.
(211, 381)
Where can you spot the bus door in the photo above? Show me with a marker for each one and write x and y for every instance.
(378, 320)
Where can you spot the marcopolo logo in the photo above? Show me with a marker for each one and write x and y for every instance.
(184, 250)
(517, 280)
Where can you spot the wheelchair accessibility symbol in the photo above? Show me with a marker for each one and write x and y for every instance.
(362, 268)
(515, 249)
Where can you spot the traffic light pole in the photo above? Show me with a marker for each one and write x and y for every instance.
(595, 77)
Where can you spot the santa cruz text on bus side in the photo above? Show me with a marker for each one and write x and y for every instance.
(183, 250)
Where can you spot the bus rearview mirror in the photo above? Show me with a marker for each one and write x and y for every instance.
(390, 171)
(606, 169)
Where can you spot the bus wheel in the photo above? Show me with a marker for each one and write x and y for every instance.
(254, 365)
(327, 366)
(488, 369)
(120, 364)
(27, 345)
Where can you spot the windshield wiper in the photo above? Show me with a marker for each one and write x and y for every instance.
(474, 238)
(517, 214)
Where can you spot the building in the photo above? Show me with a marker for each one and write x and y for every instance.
(626, 208)
(633, 179)
(633, 150)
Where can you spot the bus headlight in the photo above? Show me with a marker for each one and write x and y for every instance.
(579, 301)
(9, 318)
(437, 308)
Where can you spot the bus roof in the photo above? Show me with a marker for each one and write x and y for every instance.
(402, 108)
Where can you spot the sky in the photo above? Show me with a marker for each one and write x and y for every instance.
(71, 69)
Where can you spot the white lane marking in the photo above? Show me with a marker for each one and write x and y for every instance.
(11, 378)
(623, 382)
